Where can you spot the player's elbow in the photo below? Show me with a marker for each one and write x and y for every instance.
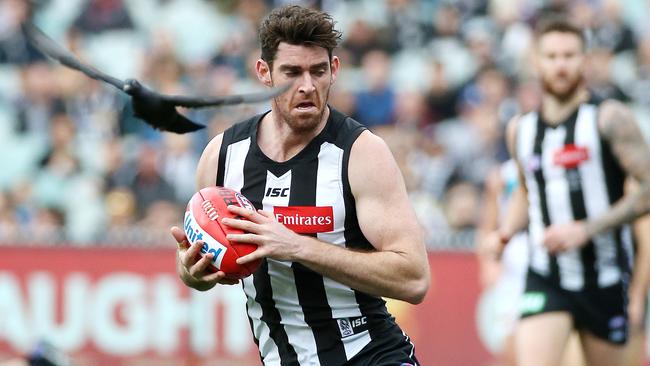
(417, 289)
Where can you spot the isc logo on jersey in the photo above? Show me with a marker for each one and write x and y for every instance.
(194, 233)
(277, 192)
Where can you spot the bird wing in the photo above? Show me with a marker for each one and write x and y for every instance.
(49, 47)
(181, 124)
(202, 102)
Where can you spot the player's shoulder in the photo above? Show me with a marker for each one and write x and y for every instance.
(613, 114)
(371, 162)
(342, 130)
(243, 129)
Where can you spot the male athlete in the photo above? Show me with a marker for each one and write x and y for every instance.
(573, 156)
(316, 299)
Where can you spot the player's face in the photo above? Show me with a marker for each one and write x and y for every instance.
(312, 73)
(560, 62)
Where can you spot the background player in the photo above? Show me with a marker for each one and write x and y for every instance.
(568, 151)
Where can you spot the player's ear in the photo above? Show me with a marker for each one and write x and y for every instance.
(263, 72)
(335, 64)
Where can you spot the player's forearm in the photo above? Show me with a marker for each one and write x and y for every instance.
(628, 208)
(641, 274)
(516, 218)
(380, 273)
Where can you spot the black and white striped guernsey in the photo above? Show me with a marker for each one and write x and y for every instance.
(571, 174)
(297, 316)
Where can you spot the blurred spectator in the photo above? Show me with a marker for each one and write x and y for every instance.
(641, 79)
(361, 39)
(148, 185)
(598, 76)
(14, 48)
(404, 30)
(446, 22)
(376, 102)
(610, 31)
(411, 110)
(462, 201)
(480, 38)
(120, 208)
(8, 224)
(441, 96)
(39, 101)
(179, 165)
(102, 15)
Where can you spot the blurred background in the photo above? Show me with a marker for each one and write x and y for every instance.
(88, 192)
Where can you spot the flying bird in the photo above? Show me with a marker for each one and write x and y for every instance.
(156, 109)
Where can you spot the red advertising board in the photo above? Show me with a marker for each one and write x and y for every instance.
(125, 306)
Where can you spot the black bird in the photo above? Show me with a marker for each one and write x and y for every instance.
(158, 110)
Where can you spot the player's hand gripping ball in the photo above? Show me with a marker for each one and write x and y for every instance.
(202, 222)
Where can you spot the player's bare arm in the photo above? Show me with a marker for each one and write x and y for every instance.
(620, 128)
(516, 217)
(640, 281)
(190, 266)
(399, 266)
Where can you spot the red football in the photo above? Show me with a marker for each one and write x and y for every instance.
(202, 222)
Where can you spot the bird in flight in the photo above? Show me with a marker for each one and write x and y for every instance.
(156, 109)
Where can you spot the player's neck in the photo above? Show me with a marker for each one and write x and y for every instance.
(279, 142)
(555, 110)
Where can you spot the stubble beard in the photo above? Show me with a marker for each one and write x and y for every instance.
(302, 125)
(565, 95)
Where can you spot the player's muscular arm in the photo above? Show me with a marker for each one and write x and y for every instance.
(619, 127)
(398, 268)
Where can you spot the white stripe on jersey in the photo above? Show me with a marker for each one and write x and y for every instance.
(595, 192)
(329, 192)
(235, 157)
(558, 201)
(524, 148)
(283, 282)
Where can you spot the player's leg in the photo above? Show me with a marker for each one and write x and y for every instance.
(599, 352)
(573, 354)
(542, 338)
(635, 347)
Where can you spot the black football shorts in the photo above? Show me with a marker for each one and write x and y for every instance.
(601, 311)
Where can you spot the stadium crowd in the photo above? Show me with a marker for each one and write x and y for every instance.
(436, 79)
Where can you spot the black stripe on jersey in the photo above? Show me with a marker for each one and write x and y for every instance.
(309, 284)
(576, 196)
(253, 189)
(541, 183)
(372, 307)
(354, 238)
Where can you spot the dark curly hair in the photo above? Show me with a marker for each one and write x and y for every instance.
(297, 26)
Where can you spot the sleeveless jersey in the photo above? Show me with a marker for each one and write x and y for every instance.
(571, 174)
(297, 316)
